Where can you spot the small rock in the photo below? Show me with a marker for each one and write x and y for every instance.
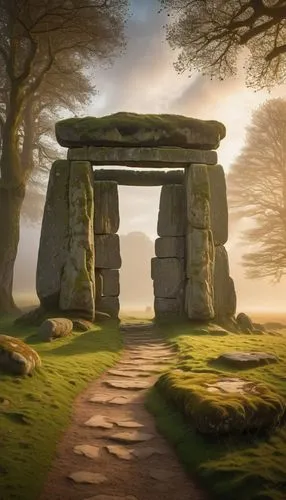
(131, 437)
(128, 384)
(84, 477)
(120, 452)
(129, 424)
(244, 322)
(87, 450)
(55, 328)
(16, 357)
(99, 421)
(104, 398)
(122, 400)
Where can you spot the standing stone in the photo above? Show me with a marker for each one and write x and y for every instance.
(109, 305)
(170, 246)
(219, 208)
(107, 254)
(77, 285)
(172, 209)
(224, 293)
(200, 251)
(168, 308)
(169, 277)
(106, 207)
(110, 282)
(198, 196)
(54, 236)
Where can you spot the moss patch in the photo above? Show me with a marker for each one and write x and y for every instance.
(40, 407)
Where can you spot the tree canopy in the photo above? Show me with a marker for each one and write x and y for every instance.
(211, 33)
(257, 190)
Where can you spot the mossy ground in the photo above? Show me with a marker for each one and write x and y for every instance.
(35, 410)
(250, 466)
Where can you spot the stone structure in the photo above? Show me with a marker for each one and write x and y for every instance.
(79, 254)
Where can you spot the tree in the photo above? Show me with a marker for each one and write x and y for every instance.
(211, 34)
(35, 36)
(257, 189)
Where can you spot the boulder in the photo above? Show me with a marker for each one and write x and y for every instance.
(224, 292)
(168, 308)
(107, 251)
(172, 211)
(110, 282)
(246, 360)
(132, 129)
(77, 282)
(16, 357)
(55, 328)
(82, 325)
(244, 322)
(170, 246)
(54, 239)
(197, 196)
(109, 305)
(168, 277)
(106, 208)
(218, 204)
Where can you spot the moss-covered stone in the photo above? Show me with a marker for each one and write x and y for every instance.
(132, 129)
(54, 328)
(16, 357)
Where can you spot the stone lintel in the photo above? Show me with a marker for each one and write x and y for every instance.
(143, 157)
(139, 178)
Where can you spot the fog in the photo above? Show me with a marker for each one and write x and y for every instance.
(143, 80)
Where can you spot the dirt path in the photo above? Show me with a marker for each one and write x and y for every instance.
(119, 455)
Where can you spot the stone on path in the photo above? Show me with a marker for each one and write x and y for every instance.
(127, 374)
(147, 452)
(87, 450)
(131, 437)
(246, 359)
(103, 398)
(120, 452)
(122, 400)
(129, 424)
(128, 384)
(85, 477)
(99, 421)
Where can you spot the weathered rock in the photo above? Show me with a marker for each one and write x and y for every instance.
(85, 477)
(218, 204)
(106, 207)
(170, 246)
(110, 306)
(107, 251)
(99, 421)
(131, 436)
(244, 322)
(199, 252)
(87, 450)
(147, 452)
(172, 211)
(139, 178)
(168, 277)
(82, 325)
(163, 475)
(132, 129)
(120, 452)
(199, 297)
(224, 293)
(128, 384)
(129, 424)
(54, 236)
(77, 283)
(55, 328)
(110, 282)
(16, 357)
(197, 196)
(168, 308)
(245, 360)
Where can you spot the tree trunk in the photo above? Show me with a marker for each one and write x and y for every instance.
(11, 200)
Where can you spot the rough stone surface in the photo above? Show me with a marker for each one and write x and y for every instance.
(199, 297)
(132, 129)
(224, 293)
(110, 282)
(54, 328)
(170, 246)
(112, 497)
(172, 211)
(128, 384)
(200, 251)
(127, 373)
(16, 357)
(168, 277)
(54, 236)
(161, 475)
(244, 322)
(110, 306)
(85, 477)
(197, 196)
(106, 207)
(99, 421)
(87, 450)
(120, 452)
(130, 424)
(107, 251)
(218, 204)
(246, 359)
(131, 437)
(77, 283)
(82, 325)
(139, 177)
(167, 308)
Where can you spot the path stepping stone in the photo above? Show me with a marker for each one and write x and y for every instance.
(162, 475)
(99, 421)
(111, 497)
(146, 452)
(103, 398)
(87, 450)
(131, 437)
(120, 452)
(128, 384)
(126, 373)
(122, 400)
(129, 423)
(84, 477)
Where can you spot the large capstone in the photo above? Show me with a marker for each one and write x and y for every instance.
(132, 129)
(107, 251)
(198, 196)
(224, 293)
(168, 276)
(106, 208)
(16, 357)
(172, 211)
(219, 208)
(170, 246)
(77, 284)
(54, 239)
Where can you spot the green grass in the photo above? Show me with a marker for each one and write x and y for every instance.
(40, 406)
(251, 466)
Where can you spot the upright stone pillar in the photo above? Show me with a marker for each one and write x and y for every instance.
(199, 299)
(168, 267)
(107, 248)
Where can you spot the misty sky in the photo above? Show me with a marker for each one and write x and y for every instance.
(143, 80)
